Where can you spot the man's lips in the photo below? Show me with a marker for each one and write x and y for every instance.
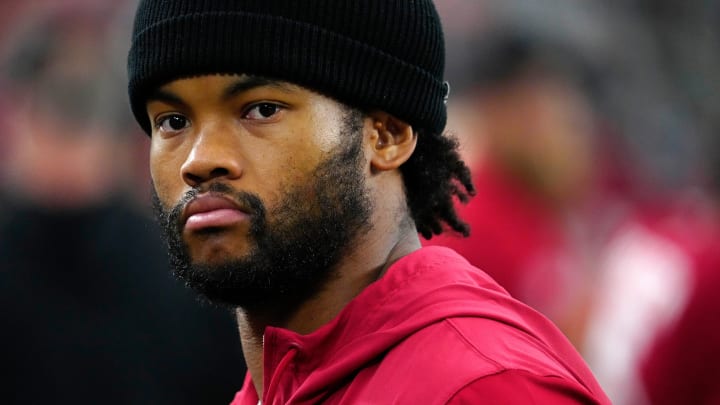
(212, 211)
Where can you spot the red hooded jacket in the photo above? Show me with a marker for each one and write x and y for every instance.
(432, 330)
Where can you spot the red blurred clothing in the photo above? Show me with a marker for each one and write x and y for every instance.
(517, 239)
(683, 364)
(432, 330)
(653, 269)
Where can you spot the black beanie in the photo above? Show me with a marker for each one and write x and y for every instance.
(369, 54)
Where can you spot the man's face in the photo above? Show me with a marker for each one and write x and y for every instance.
(259, 186)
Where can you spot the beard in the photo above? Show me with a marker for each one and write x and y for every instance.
(295, 247)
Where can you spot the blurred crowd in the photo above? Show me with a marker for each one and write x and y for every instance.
(90, 312)
(591, 129)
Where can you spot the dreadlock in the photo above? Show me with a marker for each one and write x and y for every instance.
(435, 175)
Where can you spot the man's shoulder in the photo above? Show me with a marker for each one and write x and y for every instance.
(463, 356)
(453, 329)
(478, 346)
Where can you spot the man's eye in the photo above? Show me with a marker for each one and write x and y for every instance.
(262, 111)
(172, 123)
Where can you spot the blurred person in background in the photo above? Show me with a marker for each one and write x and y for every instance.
(680, 364)
(651, 333)
(528, 128)
(648, 319)
(649, 270)
(88, 314)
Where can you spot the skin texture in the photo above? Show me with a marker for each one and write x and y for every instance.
(261, 143)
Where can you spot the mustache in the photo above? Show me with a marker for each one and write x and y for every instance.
(248, 202)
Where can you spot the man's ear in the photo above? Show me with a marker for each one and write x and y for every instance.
(392, 141)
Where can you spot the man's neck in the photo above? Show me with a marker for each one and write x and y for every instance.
(369, 261)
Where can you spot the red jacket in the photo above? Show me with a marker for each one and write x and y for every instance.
(432, 330)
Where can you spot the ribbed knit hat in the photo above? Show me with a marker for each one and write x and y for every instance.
(369, 54)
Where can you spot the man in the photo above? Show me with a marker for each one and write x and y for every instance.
(297, 150)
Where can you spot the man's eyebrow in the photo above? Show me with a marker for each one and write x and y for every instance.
(241, 85)
(165, 96)
(251, 82)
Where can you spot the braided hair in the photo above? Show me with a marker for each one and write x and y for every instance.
(434, 176)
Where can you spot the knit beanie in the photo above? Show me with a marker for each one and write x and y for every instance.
(369, 54)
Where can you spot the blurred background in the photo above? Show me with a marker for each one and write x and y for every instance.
(90, 312)
(591, 128)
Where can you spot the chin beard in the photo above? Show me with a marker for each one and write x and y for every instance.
(296, 246)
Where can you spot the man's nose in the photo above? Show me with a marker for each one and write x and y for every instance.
(214, 155)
